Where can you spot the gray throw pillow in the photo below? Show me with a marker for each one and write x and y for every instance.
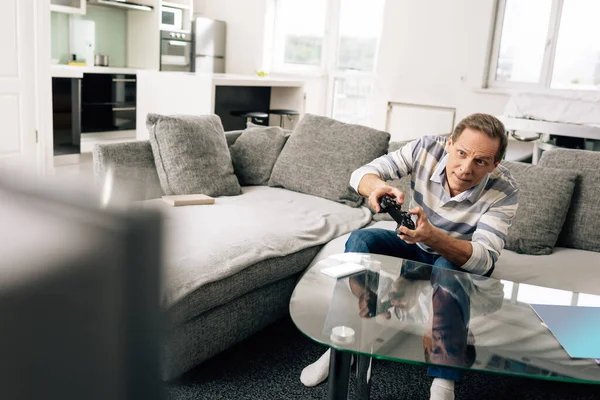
(322, 153)
(580, 230)
(254, 153)
(191, 155)
(544, 195)
(250, 124)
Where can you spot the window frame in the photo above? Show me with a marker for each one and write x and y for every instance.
(329, 56)
(330, 49)
(545, 81)
(285, 68)
(333, 72)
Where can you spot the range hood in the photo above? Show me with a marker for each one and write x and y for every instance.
(121, 4)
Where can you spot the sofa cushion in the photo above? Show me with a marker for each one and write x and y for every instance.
(262, 223)
(249, 124)
(254, 153)
(580, 230)
(543, 196)
(263, 273)
(232, 136)
(191, 155)
(556, 270)
(322, 153)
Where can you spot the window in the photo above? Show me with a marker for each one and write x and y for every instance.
(543, 295)
(337, 39)
(358, 37)
(353, 75)
(588, 300)
(299, 38)
(508, 288)
(546, 44)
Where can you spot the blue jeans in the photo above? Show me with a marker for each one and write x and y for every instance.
(386, 242)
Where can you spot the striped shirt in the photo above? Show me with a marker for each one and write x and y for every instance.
(481, 215)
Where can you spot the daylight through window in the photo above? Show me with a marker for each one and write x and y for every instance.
(546, 44)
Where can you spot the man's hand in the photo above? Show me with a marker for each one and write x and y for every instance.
(456, 251)
(373, 187)
(367, 306)
(367, 299)
(379, 192)
(424, 231)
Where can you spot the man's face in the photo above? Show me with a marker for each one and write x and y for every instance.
(470, 158)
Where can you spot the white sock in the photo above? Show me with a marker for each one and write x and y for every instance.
(316, 372)
(442, 389)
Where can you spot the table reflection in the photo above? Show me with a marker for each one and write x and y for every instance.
(438, 303)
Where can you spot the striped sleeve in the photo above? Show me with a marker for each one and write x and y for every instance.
(389, 166)
(489, 237)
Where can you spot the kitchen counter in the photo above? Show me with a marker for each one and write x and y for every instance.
(71, 71)
(201, 93)
(230, 79)
(250, 80)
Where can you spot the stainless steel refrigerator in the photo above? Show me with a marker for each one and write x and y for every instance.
(209, 45)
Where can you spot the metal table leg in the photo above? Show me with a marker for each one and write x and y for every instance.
(339, 375)
(363, 377)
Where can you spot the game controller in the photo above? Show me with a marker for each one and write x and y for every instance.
(391, 206)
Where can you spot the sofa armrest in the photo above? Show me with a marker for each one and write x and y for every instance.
(131, 166)
(124, 157)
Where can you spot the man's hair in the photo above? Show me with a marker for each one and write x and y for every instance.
(487, 124)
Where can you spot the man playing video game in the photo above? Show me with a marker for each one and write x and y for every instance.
(463, 204)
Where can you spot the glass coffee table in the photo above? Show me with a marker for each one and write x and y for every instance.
(409, 312)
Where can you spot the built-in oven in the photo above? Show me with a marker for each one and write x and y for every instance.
(175, 51)
(171, 19)
(108, 102)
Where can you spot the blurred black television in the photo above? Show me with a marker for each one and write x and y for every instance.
(79, 295)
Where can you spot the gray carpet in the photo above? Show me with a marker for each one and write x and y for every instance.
(268, 364)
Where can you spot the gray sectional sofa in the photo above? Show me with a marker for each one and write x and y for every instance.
(227, 301)
(230, 268)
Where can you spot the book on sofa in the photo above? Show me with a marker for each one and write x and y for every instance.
(188, 200)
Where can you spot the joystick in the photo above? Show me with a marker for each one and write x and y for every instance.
(391, 206)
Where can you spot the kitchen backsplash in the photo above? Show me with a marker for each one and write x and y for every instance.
(111, 34)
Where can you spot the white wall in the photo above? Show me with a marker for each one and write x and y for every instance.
(199, 6)
(245, 32)
(434, 52)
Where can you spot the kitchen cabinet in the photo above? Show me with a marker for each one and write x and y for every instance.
(68, 6)
(66, 125)
(91, 107)
(108, 102)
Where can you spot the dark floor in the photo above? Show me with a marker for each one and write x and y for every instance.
(268, 365)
